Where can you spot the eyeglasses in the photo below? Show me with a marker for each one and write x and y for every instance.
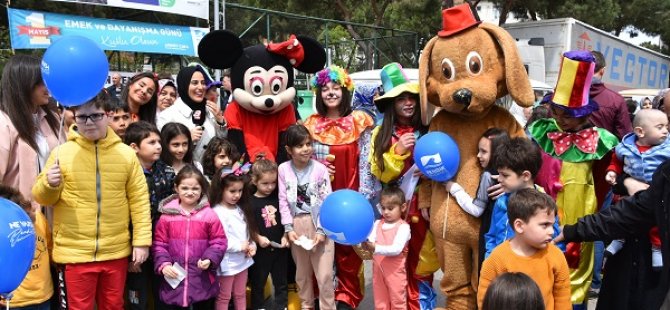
(95, 117)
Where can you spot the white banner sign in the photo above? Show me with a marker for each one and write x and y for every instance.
(195, 8)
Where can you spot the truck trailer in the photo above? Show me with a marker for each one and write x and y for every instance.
(629, 66)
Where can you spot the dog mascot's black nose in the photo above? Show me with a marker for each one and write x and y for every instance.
(463, 96)
(269, 103)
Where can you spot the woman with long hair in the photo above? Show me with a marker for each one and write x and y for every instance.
(29, 131)
(339, 135)
(140, 94)
(391, 157)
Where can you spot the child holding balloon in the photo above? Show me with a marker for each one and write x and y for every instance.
(390, 159)
(36, 288)
(388, 243)
(303, 185)
(81, 180)
(479, 206)
(340, 135)
(232, 207)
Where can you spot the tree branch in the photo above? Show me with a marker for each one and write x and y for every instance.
(375, 9)
(346, 14)
(385, 5)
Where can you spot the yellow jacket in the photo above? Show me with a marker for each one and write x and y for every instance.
(103, 191)
(393, 163)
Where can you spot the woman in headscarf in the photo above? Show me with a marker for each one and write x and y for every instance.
(203, 118)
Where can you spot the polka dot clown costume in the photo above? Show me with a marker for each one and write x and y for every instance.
(570, 138)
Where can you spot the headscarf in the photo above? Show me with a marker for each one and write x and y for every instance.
(657, 102)
(165, 82)
(199, 108)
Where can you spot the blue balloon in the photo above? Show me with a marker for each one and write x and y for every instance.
(17, 245)
(437, 156)
(347, 217)
(74, 69)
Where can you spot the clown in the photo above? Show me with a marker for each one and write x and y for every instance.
(390, 159)
(339, 134)
(570, 138)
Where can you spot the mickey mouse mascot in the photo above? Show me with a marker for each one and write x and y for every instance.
(262, 83)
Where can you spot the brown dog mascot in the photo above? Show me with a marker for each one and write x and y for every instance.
(463, 70)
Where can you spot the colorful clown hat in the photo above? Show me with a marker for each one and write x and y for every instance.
(394, 83)
(332, 73)
(574, 82)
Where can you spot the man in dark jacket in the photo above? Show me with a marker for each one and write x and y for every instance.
(613, 111)
(612, 114)
(632, 217)
(114, 90)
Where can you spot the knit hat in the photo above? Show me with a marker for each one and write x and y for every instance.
(394, 83)
(574, 82)
(335, 74)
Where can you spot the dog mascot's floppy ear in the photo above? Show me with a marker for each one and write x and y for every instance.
(516, 76)
(427, 106)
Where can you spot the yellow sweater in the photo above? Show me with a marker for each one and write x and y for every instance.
(547, 268)
(36, 287)
(393, 163)
(103, 191)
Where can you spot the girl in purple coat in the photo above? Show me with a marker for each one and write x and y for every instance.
(189, 244)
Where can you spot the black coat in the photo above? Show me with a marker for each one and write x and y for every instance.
(632, 284)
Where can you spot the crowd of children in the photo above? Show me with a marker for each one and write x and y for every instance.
(167, 220)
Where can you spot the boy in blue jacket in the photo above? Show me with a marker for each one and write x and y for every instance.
(517, 161)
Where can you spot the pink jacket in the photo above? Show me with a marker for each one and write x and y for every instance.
(186, 238)
(18, 161)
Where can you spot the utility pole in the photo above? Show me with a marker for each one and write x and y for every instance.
(217, 22)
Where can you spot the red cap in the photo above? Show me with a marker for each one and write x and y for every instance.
(457, 19)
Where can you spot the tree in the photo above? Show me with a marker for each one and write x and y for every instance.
(374, 45)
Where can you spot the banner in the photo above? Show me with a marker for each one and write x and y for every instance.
(195, 8)
(32, 30)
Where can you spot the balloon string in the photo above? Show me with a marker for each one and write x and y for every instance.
(60, 130)
(7, 297)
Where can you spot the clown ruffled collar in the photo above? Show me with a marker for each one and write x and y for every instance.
(585, 145)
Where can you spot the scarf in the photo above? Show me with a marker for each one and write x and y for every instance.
(183, 82)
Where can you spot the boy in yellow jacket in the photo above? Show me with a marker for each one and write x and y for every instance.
(97, 188)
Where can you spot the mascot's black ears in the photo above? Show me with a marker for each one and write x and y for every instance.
(221, 49)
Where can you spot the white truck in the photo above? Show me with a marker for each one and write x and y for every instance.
(541, 44)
